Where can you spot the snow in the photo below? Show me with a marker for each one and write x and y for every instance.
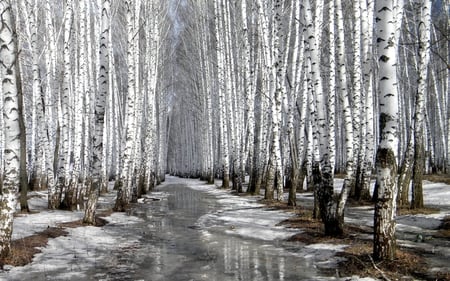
(83, 248)
(70, 256)
(243, 216)
(26, 225)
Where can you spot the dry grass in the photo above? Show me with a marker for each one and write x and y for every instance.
(421, 211)
(444, 229)
(23, 250)
(437, 178)
(78, 223)
(358, 261)
(408, 265)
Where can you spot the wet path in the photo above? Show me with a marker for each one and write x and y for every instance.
(170, 245)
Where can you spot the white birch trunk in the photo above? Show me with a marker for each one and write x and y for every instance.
(323, 176)
(348, 120)
(358, 110)
(221, 65)
(367, 52)
(11, 126)
(422, 92)
(54, 195)
(386, 159)
(124, 186)
(64, 153)
(100, 103)
(36, 160)
(278, 72)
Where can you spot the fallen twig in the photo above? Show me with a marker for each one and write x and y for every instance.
(379, 270)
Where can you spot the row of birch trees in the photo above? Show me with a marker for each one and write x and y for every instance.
(82, 102)
(291, 93)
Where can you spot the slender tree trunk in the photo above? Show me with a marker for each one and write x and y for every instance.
(23, 142)
(64, 154)
(367, 8)
(221, 69)
(384, 244)
(405, 175)
(125, 182)
(12, 133)
(54, 195)
(348, 125)
(100, 103)
(419, 147)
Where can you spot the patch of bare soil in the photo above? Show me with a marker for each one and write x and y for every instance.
(408, 265)
(444, 229)
(99, 222)
(358, 261)
(23, 250)
(437, 178)
(419, 211)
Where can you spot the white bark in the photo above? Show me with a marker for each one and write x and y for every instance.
(100, 103)
(422, 93)
(221, 72)
(386, 162)
(36, 158)
(11, 127)
(278, 74)
(367, 53)
(64, 154)
(49, 109)
(357, 97)
(347, 116)
(124, 192)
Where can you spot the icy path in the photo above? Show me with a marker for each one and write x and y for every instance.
(185, 230)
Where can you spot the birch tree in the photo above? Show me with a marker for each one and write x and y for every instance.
(347, 120)
(30, 9)
(424, 58)
(367, 10)
(277, 76)
(323, 174)
(100, 103)
(124, 183)
(63, 172)
(221, 72)
(384, 244)
(12, 133)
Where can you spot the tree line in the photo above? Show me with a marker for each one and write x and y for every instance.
(290, 93)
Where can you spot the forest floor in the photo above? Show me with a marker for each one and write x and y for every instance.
(410, 263)
(423, 236)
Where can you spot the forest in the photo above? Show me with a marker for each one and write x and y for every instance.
(265, 95)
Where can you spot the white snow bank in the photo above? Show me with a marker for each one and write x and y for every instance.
(71, 256)
(243, 216)
(28, 224)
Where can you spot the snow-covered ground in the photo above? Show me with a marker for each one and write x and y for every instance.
(72, 255)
